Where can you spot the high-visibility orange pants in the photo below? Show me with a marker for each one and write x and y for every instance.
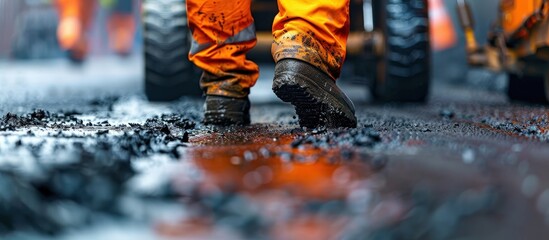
(314, 31)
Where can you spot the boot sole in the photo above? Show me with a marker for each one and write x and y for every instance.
(314, 105)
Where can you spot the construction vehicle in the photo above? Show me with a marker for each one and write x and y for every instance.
(389, 45)
(518, 45)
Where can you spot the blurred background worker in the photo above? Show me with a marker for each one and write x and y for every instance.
(76, 18)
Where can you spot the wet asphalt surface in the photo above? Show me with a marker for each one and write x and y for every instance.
(100, 162)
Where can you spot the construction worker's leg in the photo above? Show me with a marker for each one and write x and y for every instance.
(121, 27)
(314, 31)
(310, 38)
(223, 32)
(75, 18)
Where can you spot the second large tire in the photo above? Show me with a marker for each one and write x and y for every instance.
(403, 71)
(169, 74)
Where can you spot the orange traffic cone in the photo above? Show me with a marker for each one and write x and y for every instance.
(443, 34)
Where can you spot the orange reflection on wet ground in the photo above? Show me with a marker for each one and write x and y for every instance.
(277, 179)
(304, 171)
(269, 161)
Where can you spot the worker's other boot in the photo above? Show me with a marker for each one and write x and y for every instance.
(317, 99)
(226, 111)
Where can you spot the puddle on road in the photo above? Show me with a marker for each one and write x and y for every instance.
(256, 183)
(272, 163)
(272, 189)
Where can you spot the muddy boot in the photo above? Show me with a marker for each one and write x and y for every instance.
(317, 99)
(225, 111)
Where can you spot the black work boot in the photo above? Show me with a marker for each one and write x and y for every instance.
(225, 111)
(317, 99)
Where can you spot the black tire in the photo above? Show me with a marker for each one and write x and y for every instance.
(169, 74)
(528, 88)
(403, 72)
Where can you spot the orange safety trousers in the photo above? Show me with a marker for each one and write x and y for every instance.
(314, 31)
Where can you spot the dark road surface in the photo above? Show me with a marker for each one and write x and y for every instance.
(100, 162)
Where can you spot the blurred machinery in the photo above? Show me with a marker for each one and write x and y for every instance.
(518, 44)
(389, 44)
